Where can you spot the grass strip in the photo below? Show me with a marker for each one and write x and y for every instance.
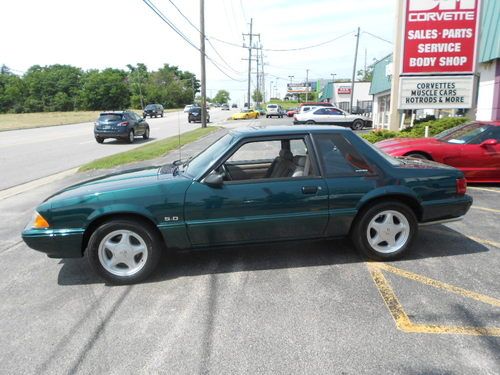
(147, 152)
(16, 121)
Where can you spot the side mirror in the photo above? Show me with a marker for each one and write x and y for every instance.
(214, 180)
(489, 142)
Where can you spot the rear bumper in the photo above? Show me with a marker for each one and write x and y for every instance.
(112, 133)
(62, 243)
(445, 210)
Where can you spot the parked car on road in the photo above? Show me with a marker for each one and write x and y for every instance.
(153, 110)
(474, 148)
(332, 116)
(234, 105)
(253, 185)
(225, 107)
(246, 114)
(194, 115)
(124, 125)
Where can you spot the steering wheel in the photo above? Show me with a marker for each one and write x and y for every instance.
(225, 172)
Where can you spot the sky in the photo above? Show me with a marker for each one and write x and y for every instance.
(97, 34)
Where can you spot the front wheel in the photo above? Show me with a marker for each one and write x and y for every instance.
(310, 122)
(384, 231)
(124, 251)
(357, 125)
(146, 133)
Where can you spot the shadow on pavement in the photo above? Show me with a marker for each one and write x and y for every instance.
(117, 142)
(443, 242)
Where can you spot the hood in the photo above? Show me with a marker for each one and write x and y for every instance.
(116, 181)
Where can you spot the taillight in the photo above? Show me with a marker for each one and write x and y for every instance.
(124, 123)
(461, 186)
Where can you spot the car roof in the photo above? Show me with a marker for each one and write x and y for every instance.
(285, 130)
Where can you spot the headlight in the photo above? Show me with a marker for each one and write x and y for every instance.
(38, 222)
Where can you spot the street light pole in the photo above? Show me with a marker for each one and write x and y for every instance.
(291, 78)
(270, 90)
(307, 84)
(354, 70)
(333, 88)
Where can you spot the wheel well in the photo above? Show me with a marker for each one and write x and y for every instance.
(420, 153)
(404, 199)
(102, 219)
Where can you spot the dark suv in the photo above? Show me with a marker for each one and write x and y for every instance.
(194, 115)
(120, 125)
(153, 110)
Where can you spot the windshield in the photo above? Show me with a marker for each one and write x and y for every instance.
(462, 134)
(206, 158)
(150, 106)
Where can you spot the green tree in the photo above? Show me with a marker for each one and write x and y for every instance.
(137, 78)
(221, 97)
(106, 90)
(257, 96)
(12, 91)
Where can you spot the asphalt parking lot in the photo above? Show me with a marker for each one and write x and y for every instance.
(301, 307)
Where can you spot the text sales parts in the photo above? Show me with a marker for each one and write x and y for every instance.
(436, 92)
(440, 36)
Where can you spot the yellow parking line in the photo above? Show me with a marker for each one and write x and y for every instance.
(486, 209)
(400, 317)
(459, 235)
(439, 284)
(484, 242)
(483, 189)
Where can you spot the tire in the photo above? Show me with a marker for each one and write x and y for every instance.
(357, 125)
(162, 114)
(392, 220)
(99, 139)
(120, 239)
(189, 121)
(418, 155)
(146, 133)
(310, 122)
(267, 116)
(131, 136)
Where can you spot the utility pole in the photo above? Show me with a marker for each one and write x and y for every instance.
(262, 82)
(270, 90)
(257, 79)
(354, 70)
(250, 46)
(203, 73)
(291, 81)
(307, 84)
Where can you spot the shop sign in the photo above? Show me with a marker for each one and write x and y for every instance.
(342, 90)
(299, 87)
(440, 36)
(438, 92)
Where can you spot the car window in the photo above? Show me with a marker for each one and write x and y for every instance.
(257, 151)
(207, 157)
(109, 117)
(150, 106)
(491, 132)
(334, 111)
(320, 111)
(272, 106)
(339, 157)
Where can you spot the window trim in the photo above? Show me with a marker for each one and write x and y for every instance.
(305, 136)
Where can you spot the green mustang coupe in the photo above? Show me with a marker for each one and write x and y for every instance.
(252, 185)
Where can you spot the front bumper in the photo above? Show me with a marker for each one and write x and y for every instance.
(56, 243)
(445, 210)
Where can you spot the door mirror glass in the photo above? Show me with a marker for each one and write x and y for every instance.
(214, 179)
(489, 142)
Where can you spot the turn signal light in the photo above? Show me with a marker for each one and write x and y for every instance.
(461, 186)
(39, 222)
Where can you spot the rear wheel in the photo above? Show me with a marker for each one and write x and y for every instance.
(146, 133)
(310, 122)
(99, 139)
(131, 136)
(357, 125)
(162, 114)
(124, 251)
(385, 230)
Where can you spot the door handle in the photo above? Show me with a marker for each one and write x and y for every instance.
(310, 189)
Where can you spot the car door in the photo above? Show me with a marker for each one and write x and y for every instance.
(480, 158)
(321, 116)
(140, 123)
(349, 177)
(258, 209)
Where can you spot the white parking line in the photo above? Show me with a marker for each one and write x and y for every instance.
(83, 143)
(483, 189)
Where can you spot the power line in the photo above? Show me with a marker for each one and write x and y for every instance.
(206, 38)
(377, 37)
(186, 39)
(288, 49)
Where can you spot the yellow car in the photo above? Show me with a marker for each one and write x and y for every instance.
(245, 114)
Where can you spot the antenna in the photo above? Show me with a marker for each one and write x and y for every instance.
(179, 133)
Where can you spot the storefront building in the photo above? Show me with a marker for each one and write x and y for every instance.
(339, 94)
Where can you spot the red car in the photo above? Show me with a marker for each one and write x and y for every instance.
(292, 111)
(474, 148)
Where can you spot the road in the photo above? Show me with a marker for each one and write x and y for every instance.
(26, 155)
(289, 308)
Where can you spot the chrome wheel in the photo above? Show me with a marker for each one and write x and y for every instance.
(388, 231)
(122, 253)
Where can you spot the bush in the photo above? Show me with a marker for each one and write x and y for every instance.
(417, 131)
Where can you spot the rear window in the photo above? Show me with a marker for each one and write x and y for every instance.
(108, 117)
(195, 109)
(272, 106)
